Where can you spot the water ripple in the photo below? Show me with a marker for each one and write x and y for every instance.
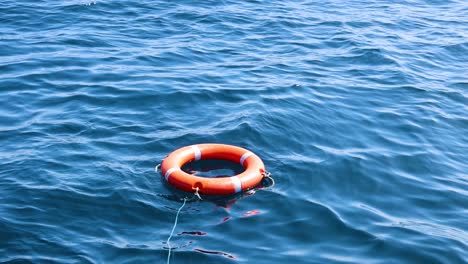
(358, 109)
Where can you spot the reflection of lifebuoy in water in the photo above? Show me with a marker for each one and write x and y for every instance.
(251, 177)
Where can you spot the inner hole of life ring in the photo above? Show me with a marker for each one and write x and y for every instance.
(213, 168)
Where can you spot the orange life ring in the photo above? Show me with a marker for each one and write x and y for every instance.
(253, 174)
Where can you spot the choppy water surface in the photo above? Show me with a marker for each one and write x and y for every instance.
(358, 108)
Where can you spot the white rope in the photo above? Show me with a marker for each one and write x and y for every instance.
(172, 232)
(266, 175)
(195, 196)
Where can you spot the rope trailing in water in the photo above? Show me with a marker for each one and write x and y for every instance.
(172, 232)
(196, 196)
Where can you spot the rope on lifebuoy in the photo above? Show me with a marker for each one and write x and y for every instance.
(252, 175)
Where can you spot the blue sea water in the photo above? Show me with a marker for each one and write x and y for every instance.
(359, 109)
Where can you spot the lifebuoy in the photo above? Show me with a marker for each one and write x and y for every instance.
(249, 178)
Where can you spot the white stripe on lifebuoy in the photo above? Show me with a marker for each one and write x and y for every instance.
(237, 183)
(244, 157)
(168, 173)
(197, 152)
